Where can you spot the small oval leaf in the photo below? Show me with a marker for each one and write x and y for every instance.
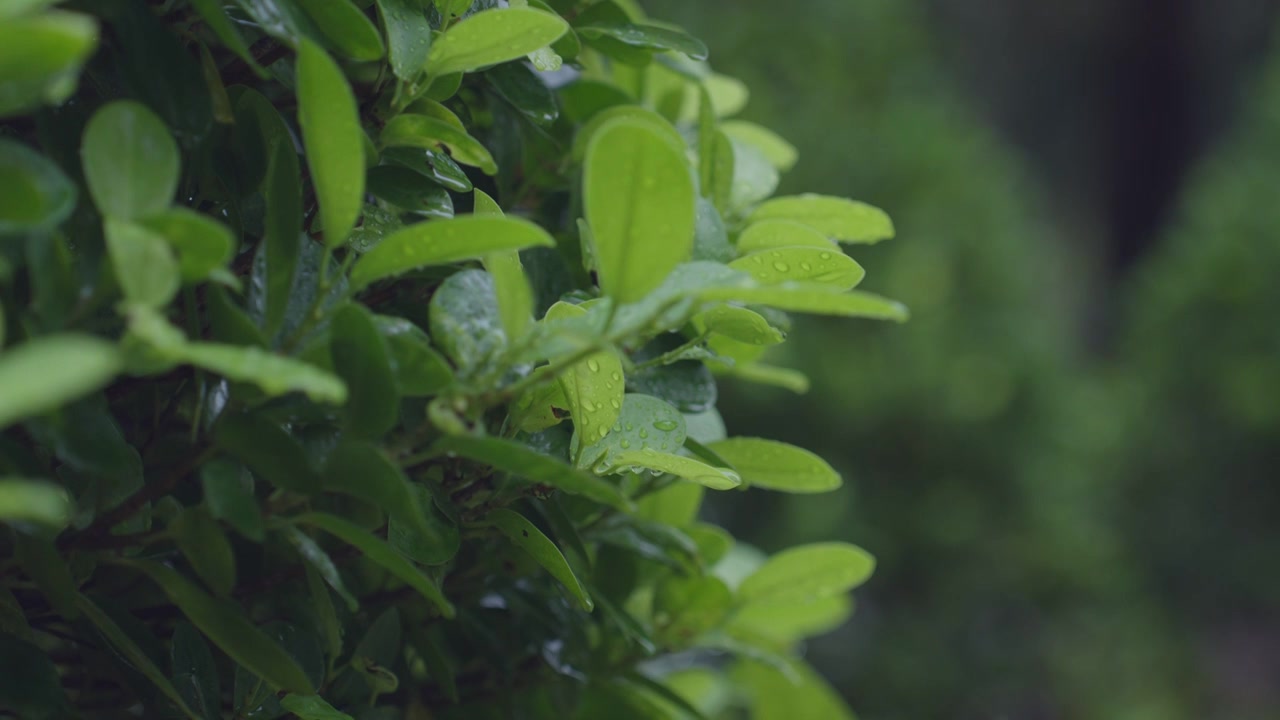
(333, 139)
(526, 536)
(491, 37)
(130, 161)
(807, 572)
(776, 465)
(441, 242)
(838, 218)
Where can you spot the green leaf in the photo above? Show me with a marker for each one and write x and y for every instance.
(408, 34)
(144, 265)
(216, 19)
(268, 450)
(361, 359)
(710, 237)
(523, 461)
(777, 466)
(754, 177)
(768, 234)
(346, 28)
(675, 505)
(130, 161)
(435, 544)
(686, 607)
(333, 139)
(194, 674)
(381, 553)
(491, 37)
(206, 547)
(37, 195)
(326, 616)
(435, 165)
(806, 573)
(528, 95)
(838, 218)
(225, 624)
(29, 683)
(648, 37)
(814, 299)
(510, 284)
(441, 242)
(801, 694)
(657, 123)
(801, 264)
(311, 707)
(204, 245)
(682, 467)
(134, 654)
(281, 19)
(409, 191)
(644, 423)
(40, 58)
(781, 625)
(526, 536)
(320, 562)
(362, 470)
(228, 493)
(780, 153)
(35, 501)
(431, 133)
(281, 241)
(640, 203)
(785, 378)
(465, 320)
(43, 374)
(419, 369)
(594, 388)
(739, 324)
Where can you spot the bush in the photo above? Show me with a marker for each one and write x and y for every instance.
(279, 432)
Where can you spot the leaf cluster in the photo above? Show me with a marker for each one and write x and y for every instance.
(360, 359)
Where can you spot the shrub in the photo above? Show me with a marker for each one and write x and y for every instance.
(279, 431)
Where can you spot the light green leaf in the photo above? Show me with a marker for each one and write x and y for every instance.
(639, 201)
(644, 423)
(441, 242)
(728, 95)
(360, 357)
(36, 501)
(419, 369)
(800, 694)
(37, 195)
(838, 218)
(143, 262)
(311, 707)
(738, 323)
(657, 123)
(525, 462)
(18, 8)
(346, 28)
(529, 538)
(649, 37)
(134, 654)
(780, 153)
(40, 58)
(333, 139)
(130, 161)
(228, 493)
(801, 264)
(768, 234)
(806, 573)
(814, 299)
(408, 34)
(777, 466)
(510, 284)
(678, 465)
(226, 625)
(380, 552)
(204, 245)
(675, 505)
(206, 547)
(781, 625)
(593, 388)
(762, 374)
(491, 37)
(268, 450)
(44, 374)
(754, 177)
(686, 607)
(431, 133)
(465, 320)
(282, 237)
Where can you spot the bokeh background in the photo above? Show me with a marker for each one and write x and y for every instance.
(1068, 462)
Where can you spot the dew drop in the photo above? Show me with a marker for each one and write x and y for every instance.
(781, 267)
(625, 444)
(665, 425)
(616, 404)
(593, 366)
(806, 267)
(644, 433)
(824, 256)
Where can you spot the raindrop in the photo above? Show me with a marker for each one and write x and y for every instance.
(781, 267)
(665, 425)
(806, 267)
(825, 255)
(593, 366)
(625, 444)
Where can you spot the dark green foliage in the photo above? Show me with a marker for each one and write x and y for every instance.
(352, 365)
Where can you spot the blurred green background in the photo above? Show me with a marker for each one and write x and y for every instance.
(1068, 462)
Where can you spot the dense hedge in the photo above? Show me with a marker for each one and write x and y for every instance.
(359, 359)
